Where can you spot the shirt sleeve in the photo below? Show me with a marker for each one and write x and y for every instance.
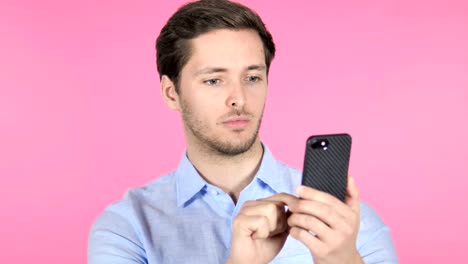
(374, 242)
(113, 240)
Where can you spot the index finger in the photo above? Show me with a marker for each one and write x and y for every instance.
(309, 193)
(284, 198)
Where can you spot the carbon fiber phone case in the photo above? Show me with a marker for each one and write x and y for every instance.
(326, 163)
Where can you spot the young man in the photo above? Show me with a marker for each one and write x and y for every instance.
(227, 200)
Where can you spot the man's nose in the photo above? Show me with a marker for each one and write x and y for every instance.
(236, 97)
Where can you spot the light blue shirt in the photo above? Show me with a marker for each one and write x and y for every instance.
(180, 218)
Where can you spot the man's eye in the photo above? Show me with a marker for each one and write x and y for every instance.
(212, 81)
(253, 78)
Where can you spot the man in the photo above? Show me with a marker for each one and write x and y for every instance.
(230, 201)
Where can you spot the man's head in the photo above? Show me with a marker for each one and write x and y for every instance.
(213, 58)
(173, 47)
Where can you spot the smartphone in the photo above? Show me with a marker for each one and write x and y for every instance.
(326, 163)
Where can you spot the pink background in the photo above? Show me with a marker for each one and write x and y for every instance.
(81, 119)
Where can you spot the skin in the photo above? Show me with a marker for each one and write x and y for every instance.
(335, 224)
(221, 98)
(224, 80)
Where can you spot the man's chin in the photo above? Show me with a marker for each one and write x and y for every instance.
(233, 148)
(231, 151)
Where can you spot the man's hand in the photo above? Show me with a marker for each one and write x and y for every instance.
(260, 230)
(325, 225)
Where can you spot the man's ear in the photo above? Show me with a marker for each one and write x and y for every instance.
(168, 92)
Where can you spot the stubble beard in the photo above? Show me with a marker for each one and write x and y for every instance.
(214, 143)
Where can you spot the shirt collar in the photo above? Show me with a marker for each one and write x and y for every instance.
(188, 181)
(274, 174)
(271, 172)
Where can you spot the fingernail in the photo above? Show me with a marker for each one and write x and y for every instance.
(299, 190)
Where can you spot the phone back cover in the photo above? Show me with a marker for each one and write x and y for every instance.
(327, 170)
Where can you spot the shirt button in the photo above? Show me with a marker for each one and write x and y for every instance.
(214, 192)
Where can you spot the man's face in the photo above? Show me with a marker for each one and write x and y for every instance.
(223, 89)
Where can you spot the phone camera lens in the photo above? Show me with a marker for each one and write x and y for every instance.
(321, 143)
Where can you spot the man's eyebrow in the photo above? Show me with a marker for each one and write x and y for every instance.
(256, 67)
(209, 70)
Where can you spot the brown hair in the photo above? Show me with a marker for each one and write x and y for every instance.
(196, 18)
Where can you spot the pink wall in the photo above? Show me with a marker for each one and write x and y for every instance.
(81, 119)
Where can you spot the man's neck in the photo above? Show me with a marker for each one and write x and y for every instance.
(230, 173)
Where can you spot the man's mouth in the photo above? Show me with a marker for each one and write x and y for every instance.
(236, 122)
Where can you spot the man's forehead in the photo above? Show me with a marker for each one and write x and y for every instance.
(221, 51)
(225, 42)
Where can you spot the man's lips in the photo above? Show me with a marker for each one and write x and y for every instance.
(236, 122)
